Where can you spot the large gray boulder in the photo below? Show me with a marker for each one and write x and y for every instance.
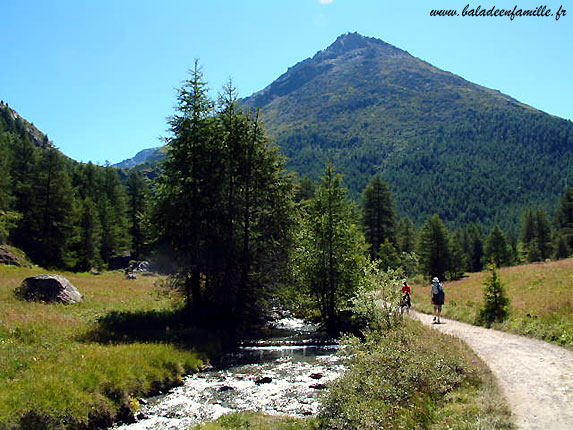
(50, 289)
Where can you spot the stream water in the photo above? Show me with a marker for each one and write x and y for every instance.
(281, 375)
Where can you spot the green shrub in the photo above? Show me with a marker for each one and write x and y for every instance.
(398, 379)
(495, 306)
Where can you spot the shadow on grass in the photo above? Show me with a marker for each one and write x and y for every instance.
(167, 326)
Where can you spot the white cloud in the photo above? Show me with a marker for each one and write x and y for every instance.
(325, 1)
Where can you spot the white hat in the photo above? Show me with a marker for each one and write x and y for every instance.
(435, 280)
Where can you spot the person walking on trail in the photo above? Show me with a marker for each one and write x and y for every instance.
(407, 291)
(438, 296)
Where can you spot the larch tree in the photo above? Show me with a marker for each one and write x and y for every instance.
(138, 197)
(564, 218)
(378, 218)
(330, 250)
(497, 249)
(434, 248)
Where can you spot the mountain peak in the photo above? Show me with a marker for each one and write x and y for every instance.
(339, 58)
(353, 41)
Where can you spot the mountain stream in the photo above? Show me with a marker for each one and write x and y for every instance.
(283, 374)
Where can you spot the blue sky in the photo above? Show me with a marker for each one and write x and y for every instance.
(99, 76)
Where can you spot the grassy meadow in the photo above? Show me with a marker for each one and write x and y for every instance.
(85, 365)
(541, 300)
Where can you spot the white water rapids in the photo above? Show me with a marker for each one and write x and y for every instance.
(286, 379)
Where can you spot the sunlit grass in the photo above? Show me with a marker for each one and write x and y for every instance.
(52, 374)
(541, 300)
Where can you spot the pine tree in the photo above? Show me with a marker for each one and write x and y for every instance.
(496, 305)
(528, 235)
(224, 204)
(137, 193)
(406, 235)
(24, 162)
(305, 189)
(52, 217)
(377, 215)
(89, 241)
(564, 217)
(496, 248)
(8, 217)
(180, 212)
(330, 251)
(543, 235)
(536, 236)
(113, 215)
(434, 248)
(458, 261)
(475, 251)
(561, 248)
(5, 176)
(388, 256)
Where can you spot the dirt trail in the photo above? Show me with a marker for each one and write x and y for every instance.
(535, 377)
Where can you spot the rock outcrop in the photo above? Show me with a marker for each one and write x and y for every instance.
(10, 258)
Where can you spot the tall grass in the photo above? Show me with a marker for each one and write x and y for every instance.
(540, 295)
(62, 367)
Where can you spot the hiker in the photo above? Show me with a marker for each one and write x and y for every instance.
(406, 290)
(438, 296)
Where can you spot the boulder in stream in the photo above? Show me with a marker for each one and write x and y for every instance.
(263, 380)
(50, 289)
(319, 386)
(316, 375)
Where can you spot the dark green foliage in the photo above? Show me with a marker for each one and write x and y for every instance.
(6, 198)
(445, 145)
(495, 306)
(138, 195)
(330, 251)
(47, 197)
(378, 217)
(88, 247)
(396, 380)
(562, 249)
(388, 256)
(113, 215)
(5, 176)
(458, 260)
(223, 205)
(536, 236)
(497, 250)
(434, 248)
(305, 189)
(471, 242)
(564, 217)
(46, 229)
(406, 235)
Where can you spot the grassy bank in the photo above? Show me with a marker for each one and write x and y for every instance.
(541, 300)
(84, 365)
(409, 378)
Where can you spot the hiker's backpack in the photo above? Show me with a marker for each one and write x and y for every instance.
(441, 293)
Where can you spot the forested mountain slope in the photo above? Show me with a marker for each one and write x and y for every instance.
(445, 145)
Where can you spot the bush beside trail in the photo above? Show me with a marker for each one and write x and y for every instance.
(414, 378)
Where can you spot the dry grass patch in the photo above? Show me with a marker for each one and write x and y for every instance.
(541, 300)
